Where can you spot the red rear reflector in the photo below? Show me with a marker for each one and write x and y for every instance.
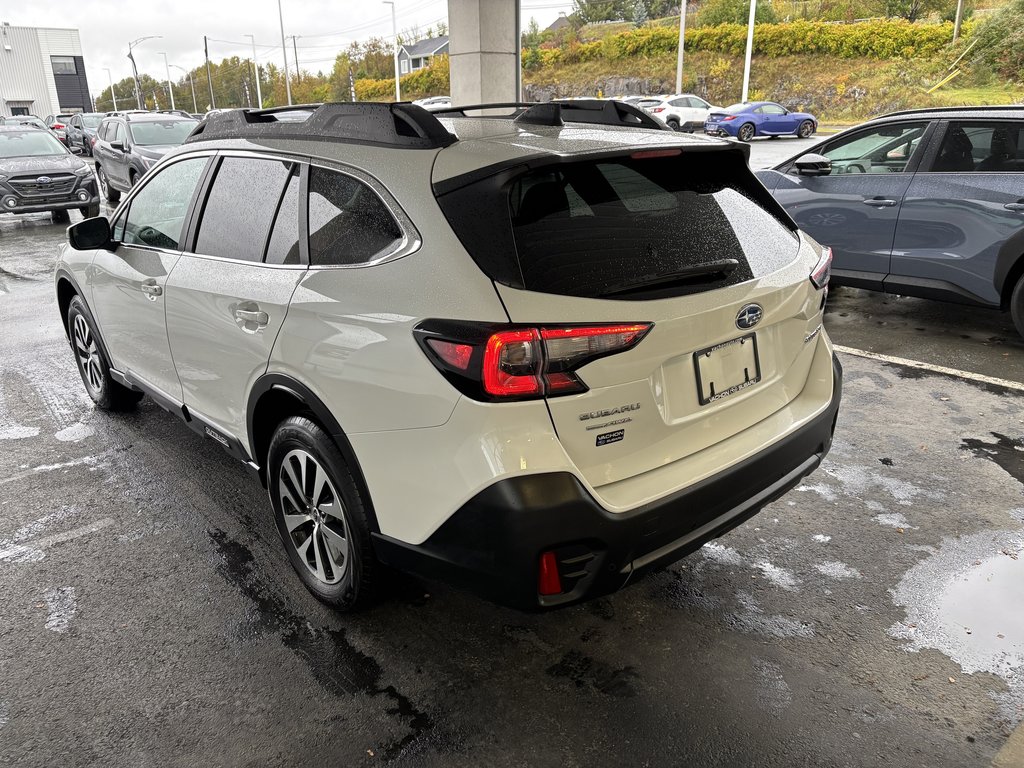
(511, 363)
(646, 154)
(456, 355)
(548, 580)
(658, 109)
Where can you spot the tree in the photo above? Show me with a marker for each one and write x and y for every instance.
(589, 11)
(911, 10)
(715, 12)
(1001, 40)
(531, 37)
(659, 9)
(640, 13)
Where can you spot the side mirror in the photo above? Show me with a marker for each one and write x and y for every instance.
(77, 151)
(89, 234)
(813, 164)
(118, 145)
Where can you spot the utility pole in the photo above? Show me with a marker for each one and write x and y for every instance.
(256, 71)
(682, 40)
(295, 50)
(394, 33)
(209, 77)
(135, 70)
(750, 49)
(170, 88)
(287, 83)
(351, 85)
(195, 105)
(959, 19)
(245, 89)
(112, 94)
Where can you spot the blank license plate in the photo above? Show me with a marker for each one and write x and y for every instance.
(726, 368)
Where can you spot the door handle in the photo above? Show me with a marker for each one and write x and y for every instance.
(880, 202)
(256, 316)
(1017, 207)
(152, 290)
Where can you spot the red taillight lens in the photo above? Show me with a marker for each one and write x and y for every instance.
(58, 126)
(650, 154)
(822, 270)
(658, 109)
(512, 363)
(548, 580)
(727, 119)
(456, 355)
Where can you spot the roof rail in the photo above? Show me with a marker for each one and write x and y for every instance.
(594, 111)
(978, 108)
(401, 125)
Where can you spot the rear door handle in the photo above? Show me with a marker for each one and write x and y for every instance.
(1018, 207)
(152, 290)
(880, 202)
(252, 316)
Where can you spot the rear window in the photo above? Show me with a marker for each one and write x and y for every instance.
(627, 228)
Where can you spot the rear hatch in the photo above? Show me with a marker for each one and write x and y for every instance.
(687, 242)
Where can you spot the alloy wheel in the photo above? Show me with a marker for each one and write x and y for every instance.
(746, 132)
(88, 353)
(103, 182)
(314, 516)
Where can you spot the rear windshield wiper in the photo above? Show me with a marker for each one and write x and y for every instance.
(698, 273)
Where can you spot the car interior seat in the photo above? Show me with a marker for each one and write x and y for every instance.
(956, 153)
(1002, 152)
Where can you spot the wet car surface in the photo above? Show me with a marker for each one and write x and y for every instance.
(869, 617)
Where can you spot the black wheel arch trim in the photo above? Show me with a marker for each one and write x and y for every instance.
(63, 274)
(287, 384)
(1009, 267)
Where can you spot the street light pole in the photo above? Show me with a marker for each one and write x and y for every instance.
(135, 70)
(682, 40)
(284, 50)
(256, 68)
(170, 88)
(750, 48)
(195, 104)
(394, 33)
(112, 94)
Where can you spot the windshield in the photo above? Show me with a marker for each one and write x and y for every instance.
(91, 121)
(31, 143)
(156, 132)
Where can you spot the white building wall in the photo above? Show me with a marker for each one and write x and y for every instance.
(26, 76)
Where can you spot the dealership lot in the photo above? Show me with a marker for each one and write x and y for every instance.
(868, 617)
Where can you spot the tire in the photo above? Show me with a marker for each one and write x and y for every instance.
(673, 124)
(302, 454)
(133, 178)
(773, 136)
(60, 216)
(90, 211)
(746, 132)
(109, 193)
(93, 365)
(806, 129)
(1017, 306)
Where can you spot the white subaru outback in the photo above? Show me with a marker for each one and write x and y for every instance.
(536, 354)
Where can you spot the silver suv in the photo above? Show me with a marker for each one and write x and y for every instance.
(536, 353)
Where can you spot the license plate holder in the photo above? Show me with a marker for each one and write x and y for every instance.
(727, 368)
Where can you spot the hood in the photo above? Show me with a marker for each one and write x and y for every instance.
(155, 151)
(20, 166)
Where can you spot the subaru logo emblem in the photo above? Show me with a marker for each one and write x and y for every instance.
(44, 179)
(749, 316)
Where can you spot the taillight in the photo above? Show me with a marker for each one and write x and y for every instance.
(728, 118)
(658, 109)
(493, 362)
(823, 269)
(58, 126)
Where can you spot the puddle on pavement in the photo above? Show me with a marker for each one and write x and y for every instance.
(985, 604)
(1007, 452)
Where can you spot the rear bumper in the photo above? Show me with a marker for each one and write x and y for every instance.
(493, 543)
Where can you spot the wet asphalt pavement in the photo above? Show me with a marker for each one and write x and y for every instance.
(871, 617)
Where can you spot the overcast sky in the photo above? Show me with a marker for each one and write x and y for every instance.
(324, 27)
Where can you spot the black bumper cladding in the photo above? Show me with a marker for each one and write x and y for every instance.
(492, 545)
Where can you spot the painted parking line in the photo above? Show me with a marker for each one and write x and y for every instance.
(970, 375)
(28, 549)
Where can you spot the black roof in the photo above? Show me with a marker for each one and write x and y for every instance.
(969, 112)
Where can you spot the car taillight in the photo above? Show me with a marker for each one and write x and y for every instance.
(58, 126)
(658, 109)
(492, 362)
(822, 270)
(727, 118)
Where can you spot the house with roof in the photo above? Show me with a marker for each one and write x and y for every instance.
(413, 56)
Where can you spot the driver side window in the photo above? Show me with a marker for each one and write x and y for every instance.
(885, 149)
(157, 213)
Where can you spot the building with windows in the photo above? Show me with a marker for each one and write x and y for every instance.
(417, 55)
(42, 72)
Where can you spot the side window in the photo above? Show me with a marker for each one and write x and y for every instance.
(885, 149)
(698, 103)
(759, 111)
(158, 211)
(119, 132)
(681, 102)
(240, 207)
(773, 109)
(981, 146)
(284, 235)
(348, 222)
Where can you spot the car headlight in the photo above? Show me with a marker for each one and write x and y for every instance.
(85, 170)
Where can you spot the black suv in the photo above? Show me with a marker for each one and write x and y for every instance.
(38, 173)
(130, 143)
(81, 130)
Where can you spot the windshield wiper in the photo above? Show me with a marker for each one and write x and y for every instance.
(699, 273)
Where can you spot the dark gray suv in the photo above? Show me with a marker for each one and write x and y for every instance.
(130, 143)
(926, 203)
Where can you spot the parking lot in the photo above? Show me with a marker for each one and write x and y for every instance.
(870, 617)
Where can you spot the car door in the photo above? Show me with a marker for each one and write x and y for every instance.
(128, 282)
(776, 119)
(961, 225)
(74, 129)
(854, 209)
(116, 165)
(228, 294)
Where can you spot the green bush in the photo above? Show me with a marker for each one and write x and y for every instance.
(715, 12)
(1001, 40)
(429, 81)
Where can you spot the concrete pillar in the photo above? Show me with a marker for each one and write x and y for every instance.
(484, 51)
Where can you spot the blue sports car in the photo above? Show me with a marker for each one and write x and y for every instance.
(759, 118)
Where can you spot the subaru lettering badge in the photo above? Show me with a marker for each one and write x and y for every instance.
(749, 316)
(44, 179)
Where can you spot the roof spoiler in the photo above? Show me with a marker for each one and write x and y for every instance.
(561, 111)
